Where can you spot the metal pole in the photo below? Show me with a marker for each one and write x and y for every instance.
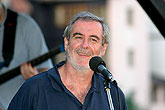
(107, 89)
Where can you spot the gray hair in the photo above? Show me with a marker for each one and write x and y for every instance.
(87, 16)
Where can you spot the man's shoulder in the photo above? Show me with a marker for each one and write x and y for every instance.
(36, 81)
(25, 16)
(40, 78)
(26, 20)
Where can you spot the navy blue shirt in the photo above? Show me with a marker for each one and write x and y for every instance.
(46, 91)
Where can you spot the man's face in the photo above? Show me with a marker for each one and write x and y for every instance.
(84, 43)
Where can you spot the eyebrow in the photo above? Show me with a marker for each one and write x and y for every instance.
(77, 33)
(95, 36)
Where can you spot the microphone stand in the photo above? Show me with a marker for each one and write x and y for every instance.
(98, 65)
(107, 89)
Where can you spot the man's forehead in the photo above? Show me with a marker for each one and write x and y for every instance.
(86, 20)
(87, 27)
(91, 25)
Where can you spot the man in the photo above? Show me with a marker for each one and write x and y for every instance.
(72, 85)
(29, 43)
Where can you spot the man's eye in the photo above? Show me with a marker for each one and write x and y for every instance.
(94, 40)
(78, 37)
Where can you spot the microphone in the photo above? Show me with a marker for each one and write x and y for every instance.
(98, 65)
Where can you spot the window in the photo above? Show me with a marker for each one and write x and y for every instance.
(130, 57)
(129, 16)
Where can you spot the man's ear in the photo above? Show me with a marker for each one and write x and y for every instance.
(104, 49)
(65, 43)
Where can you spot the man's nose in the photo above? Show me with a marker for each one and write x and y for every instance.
(85, 43)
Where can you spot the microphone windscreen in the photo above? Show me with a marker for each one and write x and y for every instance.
(95, 62)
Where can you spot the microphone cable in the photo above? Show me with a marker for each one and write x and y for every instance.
(118, 94)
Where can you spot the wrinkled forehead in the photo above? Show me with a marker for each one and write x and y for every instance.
(89, 22)
(87, 19)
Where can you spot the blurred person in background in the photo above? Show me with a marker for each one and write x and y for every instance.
(28, 44)
(20, 6)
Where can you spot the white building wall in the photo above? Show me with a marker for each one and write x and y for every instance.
(157, 49)
(135, 78)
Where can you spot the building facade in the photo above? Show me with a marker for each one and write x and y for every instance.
(135, 56)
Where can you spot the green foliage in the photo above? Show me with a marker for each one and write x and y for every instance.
(131, 103)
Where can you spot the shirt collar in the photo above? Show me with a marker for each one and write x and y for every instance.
(57, 84)
(95, 82)
(55, 78)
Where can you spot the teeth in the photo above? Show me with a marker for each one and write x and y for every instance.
(83, 52)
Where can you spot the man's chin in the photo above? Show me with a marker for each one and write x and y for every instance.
(80, 67)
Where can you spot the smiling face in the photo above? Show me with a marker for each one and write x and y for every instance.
(84, 43)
